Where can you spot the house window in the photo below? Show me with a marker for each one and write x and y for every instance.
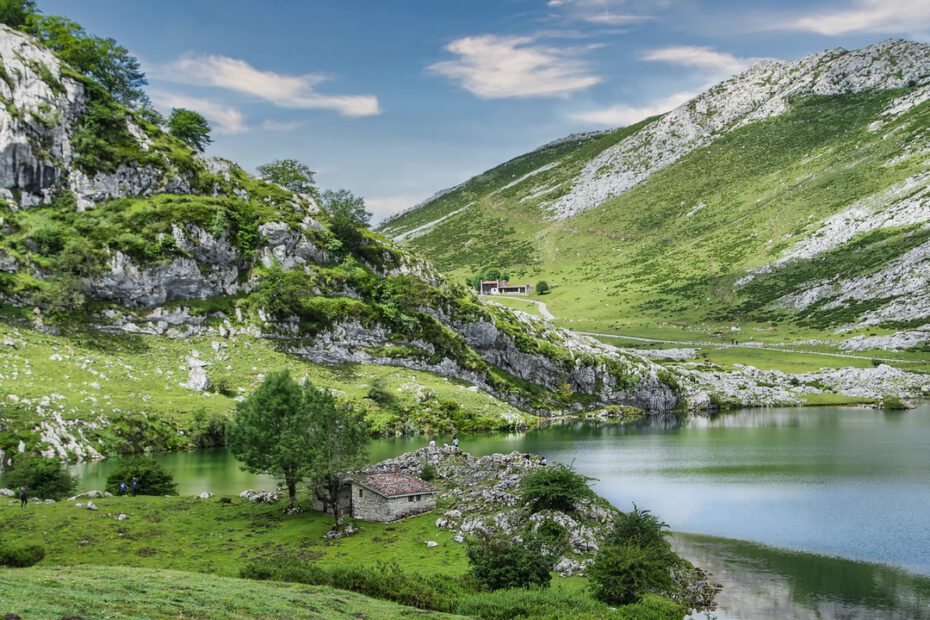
(360, 492)
(418, 498)
(410, 498)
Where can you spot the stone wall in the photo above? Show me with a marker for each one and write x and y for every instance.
(369, 506)
(345, 502)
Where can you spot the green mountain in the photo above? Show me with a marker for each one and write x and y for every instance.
(794, 196)
(145, 287)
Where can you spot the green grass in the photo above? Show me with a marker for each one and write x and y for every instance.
(50, 593)
(638, 263)
(131, 380)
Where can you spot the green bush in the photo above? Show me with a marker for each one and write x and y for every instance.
(428, 472)
(893, 403)
(151, 476)
(542, 287)
(208, 430)
(639, 528)
(621, 575)
(555, 488)
(21, 557)
(539, 604)
(385, 580)
(43, 477)
(498, 563)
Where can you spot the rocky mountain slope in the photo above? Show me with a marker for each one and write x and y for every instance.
(795, 192)
(112, 226)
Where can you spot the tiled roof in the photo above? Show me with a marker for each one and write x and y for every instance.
(395, 484)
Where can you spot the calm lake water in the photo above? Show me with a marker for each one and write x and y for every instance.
(845, 482)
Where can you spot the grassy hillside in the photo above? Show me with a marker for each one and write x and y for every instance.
(670, 250)
(46, 593)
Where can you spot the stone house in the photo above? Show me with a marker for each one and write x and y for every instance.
(503, 287)
(385, 496)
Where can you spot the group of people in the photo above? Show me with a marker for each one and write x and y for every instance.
(455, 443)
(133, 487)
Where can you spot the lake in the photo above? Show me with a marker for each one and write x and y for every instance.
(805, 483)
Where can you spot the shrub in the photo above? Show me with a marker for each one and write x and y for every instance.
(639, 528)
(498, 563)
(538, 604)
(208, 430)
(555, 488)
(428, 472)
(43, 477)
(21, 557)
(151, 476)
(621, 575)
(893, 403)
(385, 580)
(542, 287)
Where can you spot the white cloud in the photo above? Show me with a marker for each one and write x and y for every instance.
(603, 12)
(621, 115)
(496, 67)
(383, 206)
(224, 119)
(698, 57)
(288, 91)
(280, 126)
(879, 16)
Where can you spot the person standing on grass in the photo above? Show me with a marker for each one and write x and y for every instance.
(122, 488)
(134, 485)
(455, 442)
(23, 496)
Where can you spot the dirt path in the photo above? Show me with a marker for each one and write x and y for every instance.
(543, 310)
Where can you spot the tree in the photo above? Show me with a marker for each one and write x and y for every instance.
(151, 478)
(46, 478)
(189, 127)
(488, 273)
(338, 435)
(542, 287)
(289, 174)
(554, 488)
(498, 563)
(102, 59)
(347, 214)
(269, 431)
(14, 13)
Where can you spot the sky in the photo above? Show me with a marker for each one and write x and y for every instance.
(398, 99)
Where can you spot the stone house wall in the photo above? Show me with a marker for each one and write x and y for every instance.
(345, 502)
(370, 506)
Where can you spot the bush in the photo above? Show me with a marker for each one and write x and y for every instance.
(385, 580)
(555, 488)
(21, 557)
(542, 287)
(428, 472)
(43, 477)
(538, 604)
(639, 528)
(893, 403)
(208, 430)
(151, 476)
(621, 575)
(498, 563)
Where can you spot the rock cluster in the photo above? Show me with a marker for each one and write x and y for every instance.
(260, 497)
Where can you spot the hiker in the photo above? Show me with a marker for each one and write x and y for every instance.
(134, 485)
(122, 488)
(455, 442)
(23, 496)
(526, 459)
(543, 461)
(432, 444)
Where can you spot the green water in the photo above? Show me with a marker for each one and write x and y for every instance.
(812, 485)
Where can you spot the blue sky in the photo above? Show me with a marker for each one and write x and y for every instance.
(396, 99)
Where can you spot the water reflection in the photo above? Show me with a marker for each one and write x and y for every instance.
(765, 583)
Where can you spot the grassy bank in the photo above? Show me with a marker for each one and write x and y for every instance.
(42, 593)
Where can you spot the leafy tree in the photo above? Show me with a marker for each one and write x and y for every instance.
(640, 528)
(488, 273)
(289, 174)
(101, 59)
(269, 431)
(338, 435)
(348, 215)
(622, 574)
(498, 563)
(43, 477)
(542, 287)
(208, 430)
(151, 477)
(189, 127)
(15, 13)
(555, 488)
